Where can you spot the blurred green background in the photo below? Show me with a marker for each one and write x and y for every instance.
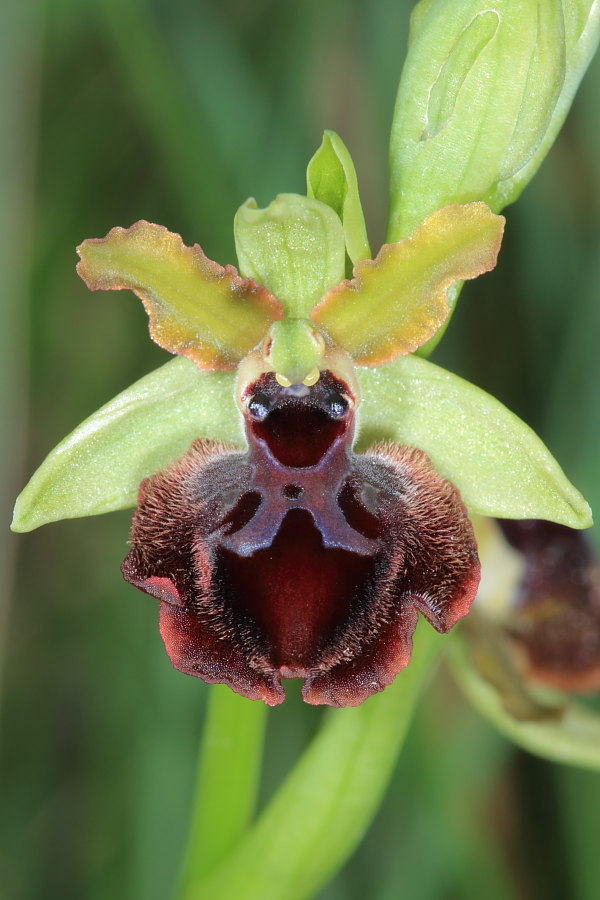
(176, 111)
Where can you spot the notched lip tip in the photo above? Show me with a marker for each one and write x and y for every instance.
(290, 672)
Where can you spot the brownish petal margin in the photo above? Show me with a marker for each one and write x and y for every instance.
(556, 616)
(397, 301)
(196, 307)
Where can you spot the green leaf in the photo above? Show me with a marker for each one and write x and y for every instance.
(397, 301)
(197, 308)
(479, 92)
(320, 812)
(295, 247)
(498, 463)
(572, 736)
(331, 178)
(99, 466)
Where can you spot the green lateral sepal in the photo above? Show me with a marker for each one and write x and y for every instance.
(498, 463)
(99, 466)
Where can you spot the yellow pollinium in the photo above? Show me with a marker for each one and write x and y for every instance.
(310, 379)
(262, 360)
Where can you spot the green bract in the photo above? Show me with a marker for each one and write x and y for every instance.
(571, 735)
(483, 94)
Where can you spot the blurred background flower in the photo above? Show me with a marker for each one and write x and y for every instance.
(115, 110)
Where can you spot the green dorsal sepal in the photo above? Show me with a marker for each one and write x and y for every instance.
(294, 247)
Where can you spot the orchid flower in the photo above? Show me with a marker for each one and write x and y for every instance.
(275, 548)
(307, 482)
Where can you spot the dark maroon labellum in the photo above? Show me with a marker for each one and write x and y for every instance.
(556, 616)
(300, 558)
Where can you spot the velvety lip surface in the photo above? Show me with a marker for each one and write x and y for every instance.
(317, 570)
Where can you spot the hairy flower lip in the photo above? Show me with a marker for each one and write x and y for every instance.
(290, 472)
(298, 601)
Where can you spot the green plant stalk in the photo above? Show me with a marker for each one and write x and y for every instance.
(227, 782)
(325, 805)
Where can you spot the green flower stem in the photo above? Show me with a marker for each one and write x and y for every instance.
(323, 808)
(227, 783)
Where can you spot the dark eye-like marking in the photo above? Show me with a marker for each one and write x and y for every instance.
(336, 406)
(259, 406)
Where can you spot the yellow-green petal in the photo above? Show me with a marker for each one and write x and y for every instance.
(196, 307)
(397, 301)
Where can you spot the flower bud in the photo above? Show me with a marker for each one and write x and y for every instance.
(482, 96)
